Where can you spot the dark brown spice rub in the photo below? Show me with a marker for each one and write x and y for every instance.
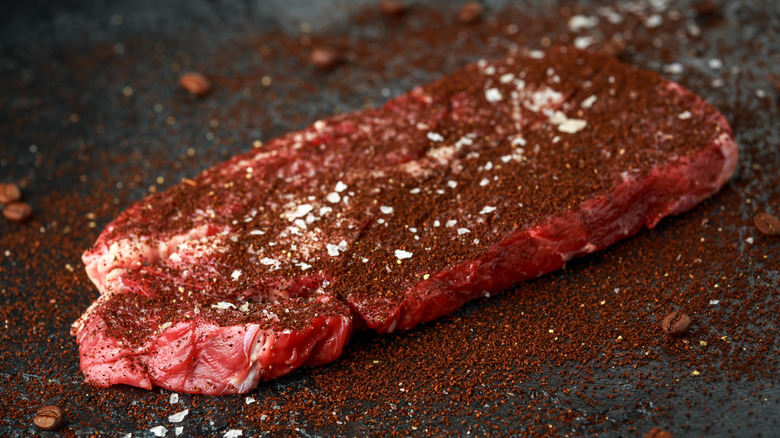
(451, 369)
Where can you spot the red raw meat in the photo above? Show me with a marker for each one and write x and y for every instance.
(390, 217)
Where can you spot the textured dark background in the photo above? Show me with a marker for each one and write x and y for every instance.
(92, 117)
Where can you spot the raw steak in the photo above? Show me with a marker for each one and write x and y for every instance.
(390, 217)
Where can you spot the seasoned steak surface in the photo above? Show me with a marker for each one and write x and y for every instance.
(390, 217)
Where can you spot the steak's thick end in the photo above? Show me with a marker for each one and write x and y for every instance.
(390, 217)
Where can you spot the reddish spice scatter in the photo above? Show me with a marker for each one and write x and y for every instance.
(499, 353)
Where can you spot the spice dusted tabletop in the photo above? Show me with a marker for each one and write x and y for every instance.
(96, 123)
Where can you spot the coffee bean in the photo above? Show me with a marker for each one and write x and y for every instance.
(657, 433)
(767, 224)
(325, 58)
(195, 83)
(17, 211)
(392, 7)
(613, 47)
(705, 7)
(49, 418)
(9, 193)
(676, 323)
(470, 12)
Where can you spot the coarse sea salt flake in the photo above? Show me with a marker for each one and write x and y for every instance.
(178, 417)
(223, 305)
(158, 430)
(435, 136)
(685, 115)
(301, 211)
(178, 430)
(506, 78)
(451, 223)
(333, 250)
(386, 209)
(572, 126)
(583, 42)
(249, 400)
(267, 261)
(484, 182)
(236, 274)
(256, 232)
(653, 21)
(493, 95)
(462, 231)
(714, 302)
(401, 254)
(587, 103)
(233, 433)
(579, 22)
(340, 187)
(333, 197)
(518, 141)
(487, 209)
(674, 68)
(452, 184)
(174, 398)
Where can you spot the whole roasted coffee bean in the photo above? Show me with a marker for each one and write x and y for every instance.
(17, 211)
(49, 418)
(470, 12)
(657, 433)
(195, 83)
(325, 58)
(767, 224)
(392, 7)
(705, 7)
(9, 193)
(613, 47)
(676, 323)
